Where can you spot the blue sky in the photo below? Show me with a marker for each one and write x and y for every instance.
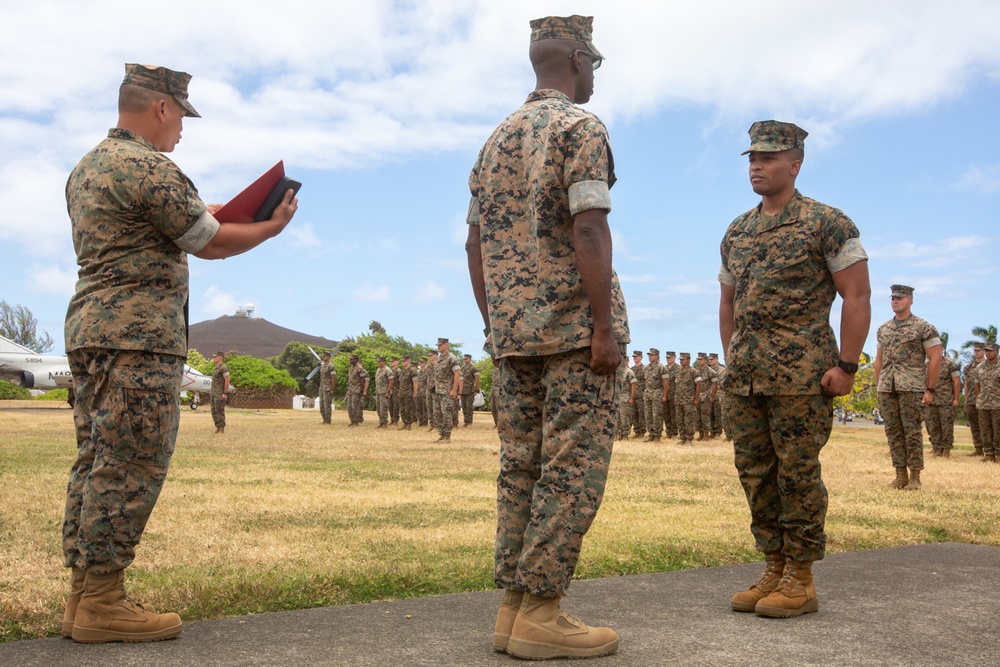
(380, 108)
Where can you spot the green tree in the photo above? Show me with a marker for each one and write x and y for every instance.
(19, 325)
(252, 373)
(863, 397)
(12, 392)
(485, 366)
(300, 362)
(987, 334)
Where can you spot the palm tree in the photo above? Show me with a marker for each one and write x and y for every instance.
(987, 334)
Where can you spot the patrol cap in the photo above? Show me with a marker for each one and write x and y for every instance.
(653, 352)
(713, 355)
(406, 357)
(774, 136)
(685, 355)
(218, 354)
(979, 346)
(162, 80)
(354, 357)
(901, 290)
(325, 354)
(702, 355)
(442, 341)
(575, 28)
(991, 347)
(636, 353)
(467, 356)
(671, 354)
(379, 358)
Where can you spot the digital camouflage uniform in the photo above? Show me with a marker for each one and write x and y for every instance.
(327, 379)
(941, 411)
(431, 397)
(356, 378)
(494, 408)
(652, 400)
(624, 424)
(971, 412)
(444, 382)
(782, 344)
(706, 402)
(669, 409)
(135, 216)
(383, 397)
(470, 377)
(544, 164)
(395, 406)
(720, 422)
(686, 414)
(639, 405)
(901, 385)
(219, 376)
(988, 403)
(407, 405)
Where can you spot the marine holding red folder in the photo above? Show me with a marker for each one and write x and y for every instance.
(258, 201)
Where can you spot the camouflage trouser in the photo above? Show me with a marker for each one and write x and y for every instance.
(670, 416)
(717, 414)
(493, 404)
(394, 407)
(687, 417)
(219, 411)
(989, 431)
(624, 424)
(325, 398)
(777, 440)
(382, 403)
(903, 412)
(445, 413)
(941, 426)
(355, 407)
(454, 411)
(653, 412)
(705, 416)
(420, 407)
(407, 408)
(126, 414)
(434, 409)
(557, 425)
(723, 404)
(972, 413)
(467, 407)
(639, 414)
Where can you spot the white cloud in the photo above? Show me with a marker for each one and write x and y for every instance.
(940, 253)
(430, 291)
(53, 279)
(302, 236)
(980, 179)
(215, 303)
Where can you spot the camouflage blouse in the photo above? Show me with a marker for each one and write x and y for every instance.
(904, 345)
(544, 164)
(781, 269)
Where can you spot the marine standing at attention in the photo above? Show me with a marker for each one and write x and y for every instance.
(135, 218)
(539, 250)
(783, 263)
(220, 392)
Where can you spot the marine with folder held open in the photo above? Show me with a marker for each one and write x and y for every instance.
(135, 218)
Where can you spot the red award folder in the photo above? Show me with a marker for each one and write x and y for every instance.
(249, 205)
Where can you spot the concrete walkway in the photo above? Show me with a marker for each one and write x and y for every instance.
(935, 604)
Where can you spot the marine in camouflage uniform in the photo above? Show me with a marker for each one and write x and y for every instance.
(407, 380)
(669, 409)
(971, 411)
(470, 387)
(357, 390)
(638, 408)
(384, 381)
(394, 400)
(432, 402)
(447, 376)
(539, 251)
(657, 379)
(706, 399)
(941, 411)
(628, 397)
(327, 381)
(420, 399)
(219, 393)
(988, 403)
(135, 217)
(687, 389)
(783, 263)
(906, 384)
(720, 422)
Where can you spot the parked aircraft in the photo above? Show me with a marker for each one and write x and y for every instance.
(31, 370)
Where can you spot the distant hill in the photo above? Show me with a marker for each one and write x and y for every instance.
(252, 336)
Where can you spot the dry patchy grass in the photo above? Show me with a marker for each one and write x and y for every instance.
(284, 513)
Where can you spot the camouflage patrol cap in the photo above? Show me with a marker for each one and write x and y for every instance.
(636, 353)
(653, 352)
(685, 355)
(991, 347)
(671, 354)
(442, 341)
(713, 355)
(379, 358)
(467, 356)
(575, 28)
(979, 346)
(162, 80)
(702, 355)
(901, 290)
(325, 354)
(774, 136)
(218, 354)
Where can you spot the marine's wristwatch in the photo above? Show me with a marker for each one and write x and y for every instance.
(847, 367)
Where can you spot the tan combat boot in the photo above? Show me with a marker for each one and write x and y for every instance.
(106, 614)
(76, 579)
(946, 453)
(914, 483)
(748, 599)
(991, 458)
(543, 631)
(795, 594)
(443, 438)
(978, 452)
(505, 618)
(901, 479)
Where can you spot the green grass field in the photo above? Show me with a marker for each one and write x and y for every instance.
(285, 513)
